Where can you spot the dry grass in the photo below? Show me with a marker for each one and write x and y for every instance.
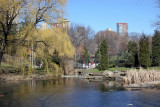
(141, 76)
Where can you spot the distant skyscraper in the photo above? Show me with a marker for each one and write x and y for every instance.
(61, 23)
(44, 26)
(16, 22)
(122, 29)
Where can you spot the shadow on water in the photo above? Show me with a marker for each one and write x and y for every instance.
(106, 85)
(111, 86)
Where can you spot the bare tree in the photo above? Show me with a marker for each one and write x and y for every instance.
(114, 41)
(77, 34)
(133, 36)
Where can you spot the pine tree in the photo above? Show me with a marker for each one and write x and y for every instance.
(103, 56)
(156, 49)
(144, 52)
(85, 55)
(97, 56)
(133, 50)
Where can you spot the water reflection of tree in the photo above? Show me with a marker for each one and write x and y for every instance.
(35, 92)
(111, 86)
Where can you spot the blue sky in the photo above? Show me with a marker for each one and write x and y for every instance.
(102, 14)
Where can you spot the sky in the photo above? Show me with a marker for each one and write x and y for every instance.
(102, 14)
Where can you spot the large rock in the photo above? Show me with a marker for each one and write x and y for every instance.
(108, 75)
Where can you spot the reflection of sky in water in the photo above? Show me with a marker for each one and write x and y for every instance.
(74, 93)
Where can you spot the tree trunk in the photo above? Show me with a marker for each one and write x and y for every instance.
(3, 45)
(1, 55)
(67, 65)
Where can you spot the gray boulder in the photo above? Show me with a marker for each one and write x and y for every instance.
(116, 71)
(108, 75)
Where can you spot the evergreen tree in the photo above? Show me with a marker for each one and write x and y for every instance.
(85, 55)
(144, 52)
(124, 59)
(103, 56)
(97, 56)
(133, 50)
(156, 49)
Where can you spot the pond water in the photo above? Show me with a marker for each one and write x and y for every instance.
(71, 92)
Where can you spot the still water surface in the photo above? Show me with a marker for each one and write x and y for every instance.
(69, 92)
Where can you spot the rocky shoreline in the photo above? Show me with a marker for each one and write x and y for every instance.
(120, 76)
(144, 85)
(107, 74)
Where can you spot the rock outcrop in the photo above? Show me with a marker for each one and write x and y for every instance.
(108, 75)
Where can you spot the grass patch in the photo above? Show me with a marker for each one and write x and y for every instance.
(127, 69)
(109, 69)
(119, 69)
(5, 66)
(91, 70)
(154, 68)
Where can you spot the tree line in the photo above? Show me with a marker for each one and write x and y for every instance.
(135, 50)
(85, 37)
(144, 53)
